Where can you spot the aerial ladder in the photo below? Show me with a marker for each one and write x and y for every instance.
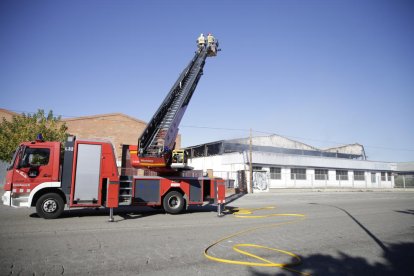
(155, 150)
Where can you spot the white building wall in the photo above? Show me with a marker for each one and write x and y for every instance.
(227, 165)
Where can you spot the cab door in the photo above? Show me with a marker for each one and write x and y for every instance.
(34, 166)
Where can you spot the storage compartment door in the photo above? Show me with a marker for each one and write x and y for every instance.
(195, 190)
(88, 169)
(147, 191)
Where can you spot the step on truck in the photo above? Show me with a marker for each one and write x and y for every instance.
(85, 174)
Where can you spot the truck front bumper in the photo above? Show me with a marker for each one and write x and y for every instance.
(6, 198)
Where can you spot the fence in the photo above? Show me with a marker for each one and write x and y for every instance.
(3, 168)
(404, 181)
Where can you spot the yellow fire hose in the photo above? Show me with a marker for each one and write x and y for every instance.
(248, 214)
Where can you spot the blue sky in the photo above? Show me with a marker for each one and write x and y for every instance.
(321, 72)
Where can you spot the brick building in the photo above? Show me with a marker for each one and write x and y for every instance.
(117, 128)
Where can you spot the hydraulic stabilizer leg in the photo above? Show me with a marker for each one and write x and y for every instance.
(111, 215)
(219, 210)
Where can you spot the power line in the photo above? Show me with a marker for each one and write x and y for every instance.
(216, 128)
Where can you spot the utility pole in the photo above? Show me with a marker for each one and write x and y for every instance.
(251, 162)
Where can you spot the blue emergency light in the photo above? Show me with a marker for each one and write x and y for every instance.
(39, 137)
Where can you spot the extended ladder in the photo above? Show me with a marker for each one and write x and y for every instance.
(158, 139)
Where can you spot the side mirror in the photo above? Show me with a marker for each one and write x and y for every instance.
(33, 171)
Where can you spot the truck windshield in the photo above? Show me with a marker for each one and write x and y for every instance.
(16, 152)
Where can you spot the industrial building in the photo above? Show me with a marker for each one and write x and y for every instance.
(279, 162)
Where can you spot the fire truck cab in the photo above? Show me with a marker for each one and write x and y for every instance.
(85, 175)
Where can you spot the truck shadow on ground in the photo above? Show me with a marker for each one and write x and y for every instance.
(130, 213)
(136, 212)
(398, 262)
(124, 212)
(141, 213)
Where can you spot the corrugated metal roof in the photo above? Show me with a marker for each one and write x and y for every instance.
(405, 167)
(280, 144)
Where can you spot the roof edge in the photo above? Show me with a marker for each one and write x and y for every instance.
(103, 115)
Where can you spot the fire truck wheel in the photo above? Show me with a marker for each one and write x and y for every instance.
(50, 206)
(173, 202)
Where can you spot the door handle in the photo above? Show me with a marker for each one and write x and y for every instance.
(47, 175)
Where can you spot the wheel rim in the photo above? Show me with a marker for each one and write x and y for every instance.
(50, 206)
(174, 202)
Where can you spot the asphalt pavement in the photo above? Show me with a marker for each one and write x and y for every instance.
(341, 233)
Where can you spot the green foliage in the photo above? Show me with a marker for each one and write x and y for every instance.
(26, 127)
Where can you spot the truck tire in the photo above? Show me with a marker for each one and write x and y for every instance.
(50, 206)
(173, 202)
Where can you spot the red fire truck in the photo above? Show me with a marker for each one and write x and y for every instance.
(85, 174)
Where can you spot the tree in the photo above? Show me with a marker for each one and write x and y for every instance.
(26, 127)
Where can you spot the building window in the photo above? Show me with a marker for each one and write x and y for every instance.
(275, 173)
(373, 177)
(341, 175)
(296, 173)
(359, 175)
(257, 168)
(385, 176)
(321, 174)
